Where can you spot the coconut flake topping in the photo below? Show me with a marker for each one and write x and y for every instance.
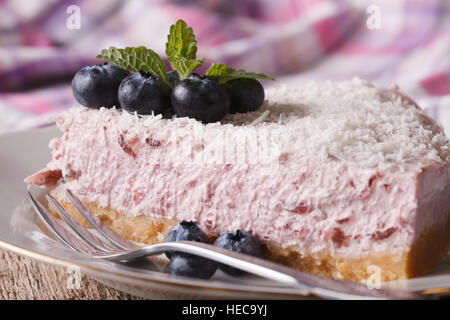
(351, 121)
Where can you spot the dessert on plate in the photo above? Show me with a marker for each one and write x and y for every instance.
(333, 178)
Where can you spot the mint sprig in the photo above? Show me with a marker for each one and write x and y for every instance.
(181, 49)
(135, 59)
(223, 74)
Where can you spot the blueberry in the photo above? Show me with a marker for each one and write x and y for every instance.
(192, 266)
(239, 241)
(96, 86)
(245, 95)
(173, 77)
(185, 231)
(144, 93)
(200, 98)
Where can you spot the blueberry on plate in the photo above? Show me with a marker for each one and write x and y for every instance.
(192, 266)
(96, 86)
(185, 231)
(172, 77)
(200, 98)
(144, 93)
(245, 95)
(239, 241)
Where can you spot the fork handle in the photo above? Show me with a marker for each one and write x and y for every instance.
(306, 283)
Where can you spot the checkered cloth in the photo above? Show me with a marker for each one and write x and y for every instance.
(404, 41)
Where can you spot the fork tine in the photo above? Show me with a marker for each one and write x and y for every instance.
(114, 238)
(58, 230)
(78, 228)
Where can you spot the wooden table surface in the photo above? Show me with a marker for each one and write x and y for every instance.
(24, 278)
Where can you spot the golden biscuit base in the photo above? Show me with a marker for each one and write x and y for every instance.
(423, 255)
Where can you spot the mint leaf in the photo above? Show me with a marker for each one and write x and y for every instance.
(181, 49)
(185, 66)
(216, 70)
(224, 74)
(181, 42)
(135, 59)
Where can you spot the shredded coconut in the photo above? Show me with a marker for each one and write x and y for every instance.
(351, 121)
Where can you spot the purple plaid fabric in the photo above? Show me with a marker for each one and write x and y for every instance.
(293, 40)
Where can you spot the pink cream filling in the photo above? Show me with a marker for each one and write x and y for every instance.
(301, 202)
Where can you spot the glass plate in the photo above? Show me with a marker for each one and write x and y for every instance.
(23, 153)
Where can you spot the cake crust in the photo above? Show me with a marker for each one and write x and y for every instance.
(429, 248)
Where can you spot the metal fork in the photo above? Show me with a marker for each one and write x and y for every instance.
(111, 246)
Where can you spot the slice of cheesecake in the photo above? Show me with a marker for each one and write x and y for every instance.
(334, 178)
